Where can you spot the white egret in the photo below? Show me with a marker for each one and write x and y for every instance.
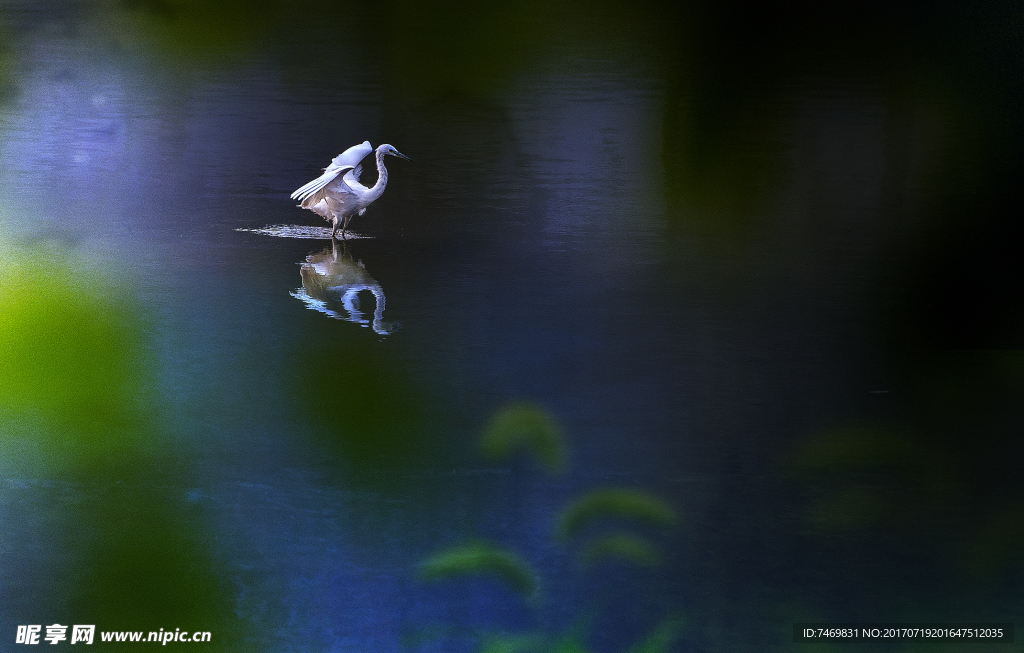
(337, 194)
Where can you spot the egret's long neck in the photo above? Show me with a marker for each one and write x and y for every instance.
(382, 178)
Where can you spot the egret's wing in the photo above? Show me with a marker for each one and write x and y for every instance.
(353, 155)
(330, 174)
(336, 195)
(353, 175)
(320, 208)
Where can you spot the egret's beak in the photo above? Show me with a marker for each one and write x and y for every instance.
(397, 153)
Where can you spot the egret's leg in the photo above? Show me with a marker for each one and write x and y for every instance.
(335, 228)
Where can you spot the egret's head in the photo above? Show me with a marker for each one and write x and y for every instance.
(387, 149)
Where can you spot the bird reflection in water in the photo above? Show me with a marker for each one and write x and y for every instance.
(332, 277)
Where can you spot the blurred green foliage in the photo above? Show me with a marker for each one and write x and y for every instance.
(149, 565)
(661, 638)
(452, 47)
(528, 428)
(943, 490)
(722, 158)
(78, 403)
(370, 414)
(872, 476)
(6, 60)
(191, 30)
(625, 503)
(571, 642)
(77, 382)
(482, 558)
(462, 46)
(533, 429)
(512, 643)
(999, 544)
(623, 546)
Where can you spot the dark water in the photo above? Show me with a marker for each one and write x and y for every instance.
(751, 271)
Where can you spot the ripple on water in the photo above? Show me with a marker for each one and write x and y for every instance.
(301, 231)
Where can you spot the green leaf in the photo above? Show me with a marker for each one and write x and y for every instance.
(506, 643)
(77, 382)
(481, 558)
(569, 644)
(622, 546)
(661, 638)
(617, 503)
(525, 427)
